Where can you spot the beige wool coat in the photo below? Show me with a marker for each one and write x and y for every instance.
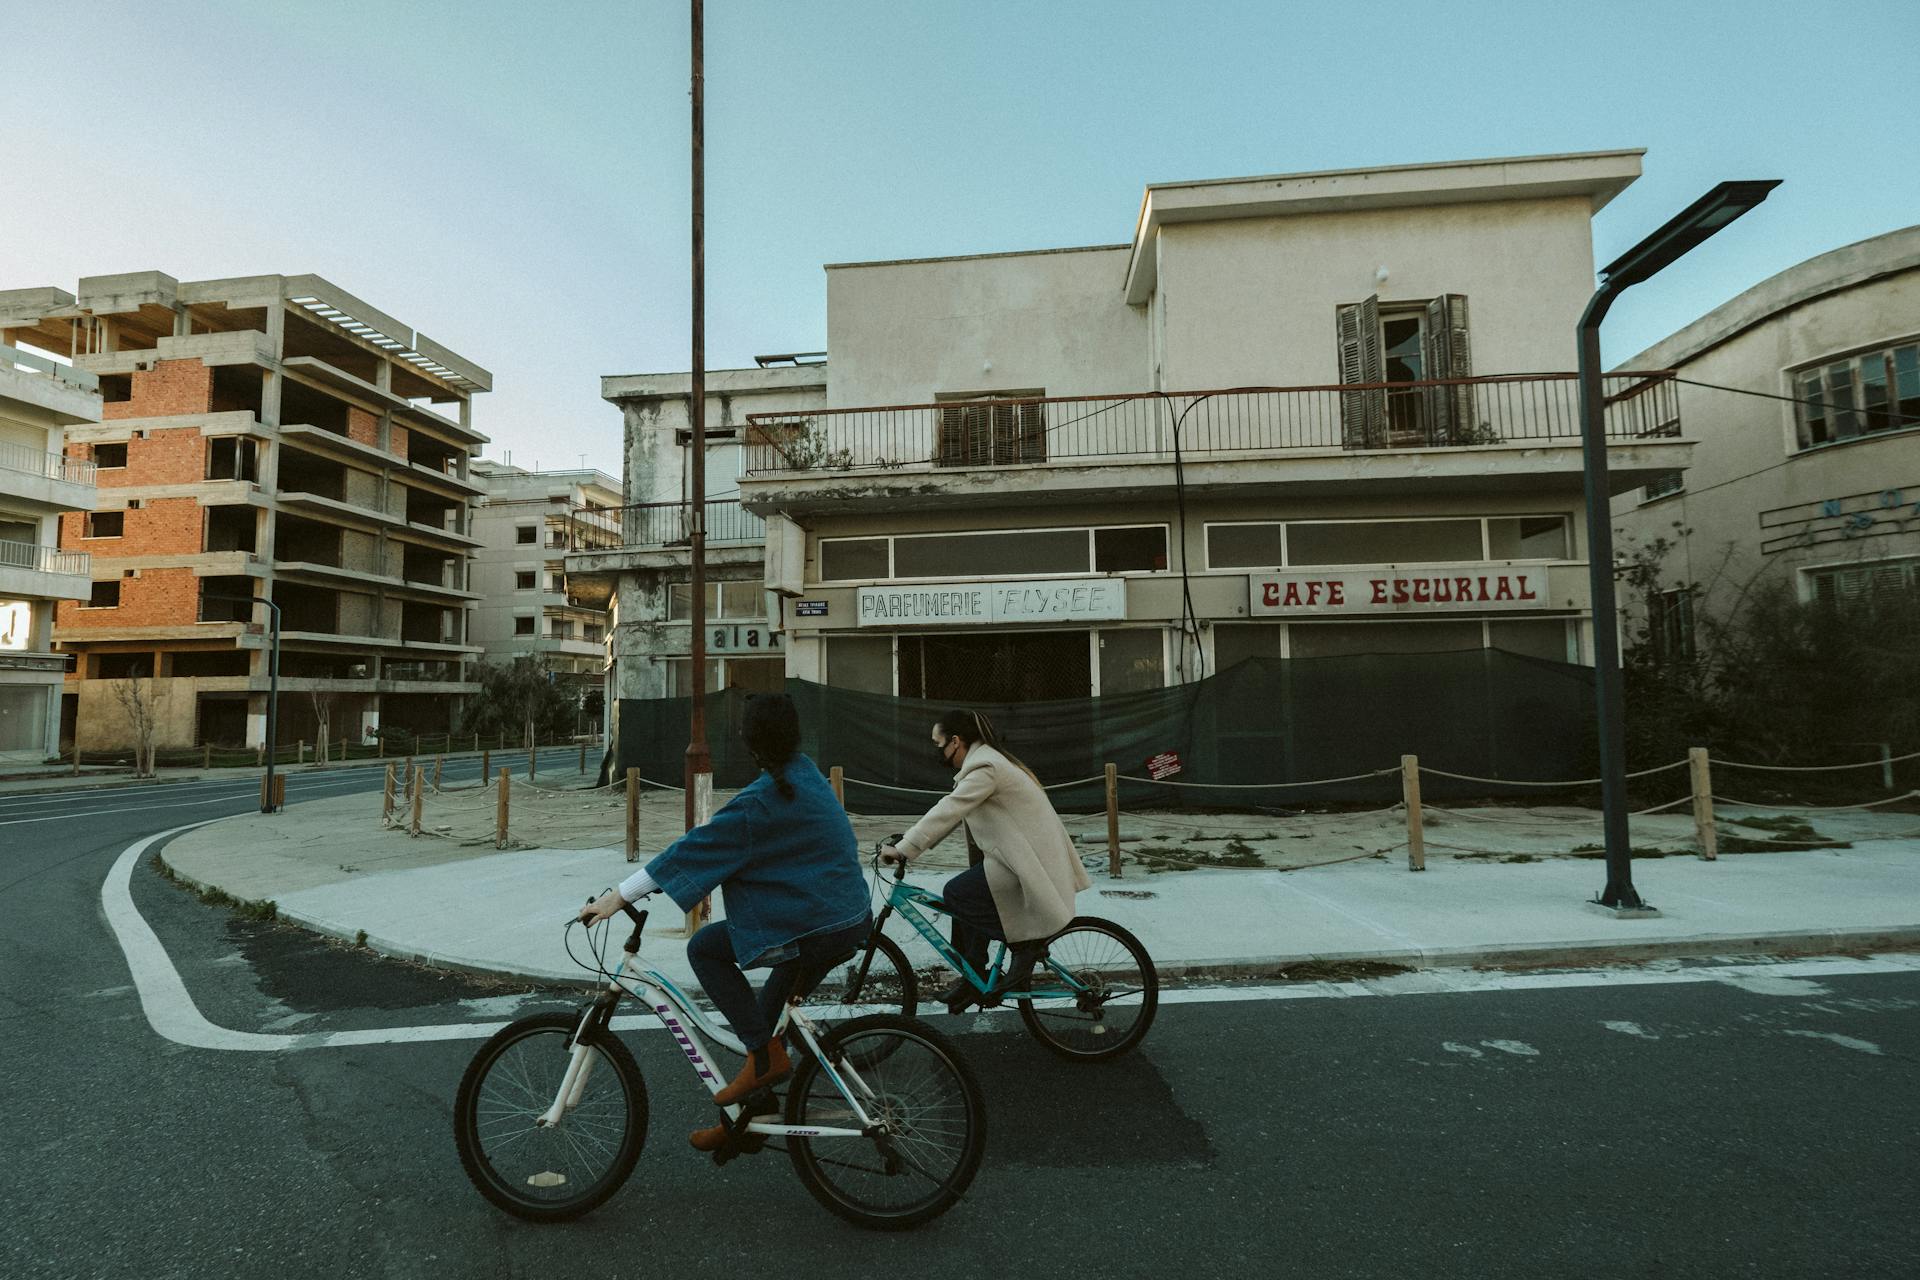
(1032, 866)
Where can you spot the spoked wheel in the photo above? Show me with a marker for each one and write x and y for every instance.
(549, 1174)
(1095, 992)
(915, 1084)
(886, 982)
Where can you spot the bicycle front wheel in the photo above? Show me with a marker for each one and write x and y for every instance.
(549, 1173)
(910, 1080)
(1094, 992)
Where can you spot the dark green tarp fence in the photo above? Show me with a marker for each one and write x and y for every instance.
(1483, 712)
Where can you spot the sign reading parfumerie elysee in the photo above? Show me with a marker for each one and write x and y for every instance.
(947, 604)
(1434, 588)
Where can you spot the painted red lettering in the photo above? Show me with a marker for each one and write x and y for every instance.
(1270, 594)
(1336, 593)
(1463, 590)
(1504, 589)
(1293, 594)
(1526, 590)
(1399, 590)
(1423, 591)
(1379, 586)
(1313, 593)
(1443, 591)
(1483, 590)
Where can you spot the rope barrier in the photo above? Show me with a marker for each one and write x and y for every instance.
(1817, 768)
(917, 791)
(1817, 808)
(1260, 786)
(1081, 782)
(1575, 782)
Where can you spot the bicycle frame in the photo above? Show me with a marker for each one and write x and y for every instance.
(687, 1024)
(904, 898)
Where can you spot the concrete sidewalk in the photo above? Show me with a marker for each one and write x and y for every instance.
(328, 865)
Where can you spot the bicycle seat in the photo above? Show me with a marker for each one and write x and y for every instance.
(818, 974)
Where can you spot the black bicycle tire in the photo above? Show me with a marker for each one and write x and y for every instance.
(1150, 979)
(800, 1150)
(496, 1189)
(909, 981)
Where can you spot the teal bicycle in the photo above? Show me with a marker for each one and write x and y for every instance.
(1092, 997)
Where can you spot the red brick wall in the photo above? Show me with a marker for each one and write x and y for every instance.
(399, 445)
(157, 598)
(363, 426)
(177, 456)
(171, 386)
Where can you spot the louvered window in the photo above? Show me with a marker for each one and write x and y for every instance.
(992, 432)
(1406, 343)
(1862, 583)
(1862, 395)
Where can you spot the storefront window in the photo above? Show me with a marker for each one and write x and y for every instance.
(755, 675)
(990, 555)
(1132, 659)
(1527, 537)
(860, 662)
(853, 559)
(1245, 546)
(1024, 666)
(724, 600)
(1137, 550)
(680, 684)
(1383, 542)
(1345, 639)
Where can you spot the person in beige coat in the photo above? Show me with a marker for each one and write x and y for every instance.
(1024, 870)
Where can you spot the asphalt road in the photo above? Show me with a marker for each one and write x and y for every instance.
(1701, 1128)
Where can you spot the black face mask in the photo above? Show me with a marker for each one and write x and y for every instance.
(942, 750)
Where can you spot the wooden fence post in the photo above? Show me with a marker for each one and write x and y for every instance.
(206, 755)
(1113, 821)
(260, 755)
(533, 760)
(436, 773)
(486, 767)
(583, 757)
(1410, 792)
(837, 779)
(419, 797)
(633, 815)
(386, 796)
(279, 791)
(1700, 774)
(380, 743)
(476, 739)
(500, 810)
(300, 751)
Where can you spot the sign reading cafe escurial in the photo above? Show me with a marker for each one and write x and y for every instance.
(1435, 588)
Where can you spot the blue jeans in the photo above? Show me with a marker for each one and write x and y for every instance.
(710, 952)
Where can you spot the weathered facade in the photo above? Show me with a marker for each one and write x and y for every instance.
(528, 524)
(271, 437)
(40, 399)
(1807, 466)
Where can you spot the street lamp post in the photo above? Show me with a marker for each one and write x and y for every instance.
(273, 685)
(1682, 233)
(699, 774)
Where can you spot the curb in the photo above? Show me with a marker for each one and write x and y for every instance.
(1798, 942)
(105, 783)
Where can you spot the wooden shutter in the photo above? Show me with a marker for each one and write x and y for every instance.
(951, 448)
(1363, 414)
(1446, 353)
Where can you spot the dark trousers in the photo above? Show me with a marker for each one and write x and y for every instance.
(752, 1018)
(975, 919)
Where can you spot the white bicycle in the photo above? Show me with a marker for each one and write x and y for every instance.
(883, 1119)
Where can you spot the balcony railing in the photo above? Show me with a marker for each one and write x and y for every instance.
(39, 559)
(46, 466)
(1519, 408)
(665, 524)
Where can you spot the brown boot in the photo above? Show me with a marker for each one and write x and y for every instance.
(711, 1139)
(765, 1066)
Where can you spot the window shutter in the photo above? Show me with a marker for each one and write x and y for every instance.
(1363, 414)
(1448, 353)
(951, 447)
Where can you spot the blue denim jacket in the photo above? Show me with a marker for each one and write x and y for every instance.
(790, 868)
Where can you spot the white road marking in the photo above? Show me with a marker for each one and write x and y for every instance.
(1630, 1029)
(1767, 984)
(1845, 1042)
(1454, 1046)
(1518, 1048)
(172, 1013)
(142, 808)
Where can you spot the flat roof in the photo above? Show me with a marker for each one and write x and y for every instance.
(975, 257)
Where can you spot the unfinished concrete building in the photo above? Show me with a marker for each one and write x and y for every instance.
(527, 524)
(272, 437)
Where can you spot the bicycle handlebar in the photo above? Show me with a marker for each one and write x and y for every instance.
(899, 867)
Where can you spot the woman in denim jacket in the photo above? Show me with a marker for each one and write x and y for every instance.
(783, 855)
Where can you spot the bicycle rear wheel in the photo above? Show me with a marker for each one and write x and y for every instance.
(910, 1079)
(548, 1174)
(885, 982)
(1095, 992)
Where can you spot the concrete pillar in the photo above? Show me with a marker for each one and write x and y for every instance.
(370, 719)
(256, 722)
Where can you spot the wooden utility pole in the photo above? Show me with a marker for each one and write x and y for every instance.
(699, 761)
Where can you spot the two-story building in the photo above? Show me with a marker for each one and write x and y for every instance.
(1803, 394)
(39, 399)
(1297, 416)
(1294, 417)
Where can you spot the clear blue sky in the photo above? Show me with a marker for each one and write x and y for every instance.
(511, 178)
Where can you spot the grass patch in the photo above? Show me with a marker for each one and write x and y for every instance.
(1181, 858)
(1639, 851)
(1791, 834)
(1337, 970)
(265, 911)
